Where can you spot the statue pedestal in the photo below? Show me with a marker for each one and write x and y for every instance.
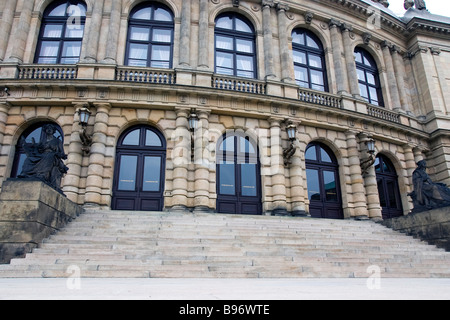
(30, 211)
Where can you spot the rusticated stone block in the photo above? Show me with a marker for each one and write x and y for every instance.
(30, 211)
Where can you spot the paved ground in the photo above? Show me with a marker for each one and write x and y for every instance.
(224, 289)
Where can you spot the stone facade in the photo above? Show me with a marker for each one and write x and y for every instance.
(412, 55)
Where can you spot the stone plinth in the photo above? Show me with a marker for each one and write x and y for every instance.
(30, 211)
(432, 226)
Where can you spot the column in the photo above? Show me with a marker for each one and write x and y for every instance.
(74, 159)
(349, 53)
(201, 201)
(267, 33)
(285, 51)
(356, 178)
(279, 206)
(203, 35)
(113, 32)
(370, 184)
(185, 34)
(392, 81)
(181, 159)
(297, 183)
(94, 32)
(21, 33)
(4, 113)
(400, 73)
(340, 75)
(6, 25)
(94, 181)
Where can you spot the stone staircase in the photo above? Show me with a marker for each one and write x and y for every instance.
(119, 244)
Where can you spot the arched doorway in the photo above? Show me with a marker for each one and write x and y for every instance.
(238, 176)
(139, 174)
(34, 133)
(388, 188)
(322, 173)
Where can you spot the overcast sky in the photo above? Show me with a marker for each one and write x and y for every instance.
(440, 7)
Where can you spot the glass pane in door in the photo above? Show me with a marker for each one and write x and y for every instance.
(127, 176)
(313, 184)
(248, 180)
(227, 178)
(329, 181)
(152, 174)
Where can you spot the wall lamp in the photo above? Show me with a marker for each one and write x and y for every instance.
(86, 139)
(291, 130)
(193, 125)
(370, 160)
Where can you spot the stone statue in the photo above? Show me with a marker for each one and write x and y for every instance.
(420, 4)
(427, 194)
(385, 3)
(44, 159)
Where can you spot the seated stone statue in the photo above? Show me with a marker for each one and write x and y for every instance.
(44, 159)
(427, 194)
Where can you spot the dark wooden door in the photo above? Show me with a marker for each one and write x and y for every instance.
(238, 177)
(140, 171)
(322, 173)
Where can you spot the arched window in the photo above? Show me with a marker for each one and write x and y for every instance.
(235, 46)
(309, 60)
(150, 36)
(388, 188)
(323, 182)
(36, 134)
(61, 33)
(368, 78)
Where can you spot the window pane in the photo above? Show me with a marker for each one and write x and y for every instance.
(242, 26)
(137, 63)
(225, 23)
(140, 34)
(244, 46)
(224, 60)
(381, 193)
(325, 157)
(315, 61)
(363, 91)
(361, 75)
(70, 60)
(298, 38)
(59, 11)
(301, 74)
(358, 57)
(244, 63)
(312, 177)
(162, 35)
(317, 77)
(227, 179)
(152, 139)
(71, 49)
(74, 31)
(371, 78)
(132, 139)
(47, 60)
(53, 31)
(246, 146)
(299, 57)
(127, 177)
(143, 14)
(224, 43)
(373, 95)
(161, 53)
(138, 51)
(311, 154)
(152, 174)
(248, 180)
(162, 15)
(49, 49)
(329, 179)
(227, 144)
(310, 42)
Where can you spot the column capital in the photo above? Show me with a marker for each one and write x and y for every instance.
(282, 7)
(268, 4)
(346, 27)
(334, 23)
(386, 44)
